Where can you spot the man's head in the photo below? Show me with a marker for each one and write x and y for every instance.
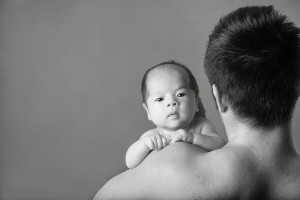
(253, 58)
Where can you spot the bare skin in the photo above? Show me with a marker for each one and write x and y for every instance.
(233, 172)
(255, 164)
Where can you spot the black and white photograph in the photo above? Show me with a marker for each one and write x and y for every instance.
(149, 99)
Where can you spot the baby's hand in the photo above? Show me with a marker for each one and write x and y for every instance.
(182, 135)
(155, 141)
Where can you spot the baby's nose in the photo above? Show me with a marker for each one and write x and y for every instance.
(174, 103)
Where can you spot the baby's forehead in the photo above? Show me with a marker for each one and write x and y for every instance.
(157, 74)
(168, 68)
(170, 77)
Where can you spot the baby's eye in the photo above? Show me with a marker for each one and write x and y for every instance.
(181, 95)
(159, 99)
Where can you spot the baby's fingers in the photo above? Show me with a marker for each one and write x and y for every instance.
(176, 138)
(159, 142)
(150, 144)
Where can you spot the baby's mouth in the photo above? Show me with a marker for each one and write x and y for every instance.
(173, 114)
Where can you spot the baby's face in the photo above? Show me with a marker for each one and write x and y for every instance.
(171, 104)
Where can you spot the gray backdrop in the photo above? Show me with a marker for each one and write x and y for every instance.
(70, 85)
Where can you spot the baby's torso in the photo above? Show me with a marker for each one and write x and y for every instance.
(197, 124)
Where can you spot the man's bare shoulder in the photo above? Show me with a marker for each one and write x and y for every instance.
(161, 169)
(186, 170)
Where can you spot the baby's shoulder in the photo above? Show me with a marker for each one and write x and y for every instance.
(198, 123)
(202, 120)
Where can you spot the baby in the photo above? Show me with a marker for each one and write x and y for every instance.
(171, 100)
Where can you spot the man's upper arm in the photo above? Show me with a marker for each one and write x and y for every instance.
(122, 186)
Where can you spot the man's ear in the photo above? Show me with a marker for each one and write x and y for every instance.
(146, 108)
(221, 100)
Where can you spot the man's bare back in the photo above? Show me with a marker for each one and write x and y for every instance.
(202, 175)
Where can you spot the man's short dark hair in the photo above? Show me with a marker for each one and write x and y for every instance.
(252, 57)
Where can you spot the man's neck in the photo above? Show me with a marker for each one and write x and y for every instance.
(275, 141)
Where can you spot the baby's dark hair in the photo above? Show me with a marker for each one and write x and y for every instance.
(192, 83)
(253, 58)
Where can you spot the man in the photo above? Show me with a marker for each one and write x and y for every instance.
(253, 64)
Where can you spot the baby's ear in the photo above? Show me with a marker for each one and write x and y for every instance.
(146, 108)
(200, 108)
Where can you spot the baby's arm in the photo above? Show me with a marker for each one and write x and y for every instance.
(207, 137)
(203, 135)
(149, 141)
